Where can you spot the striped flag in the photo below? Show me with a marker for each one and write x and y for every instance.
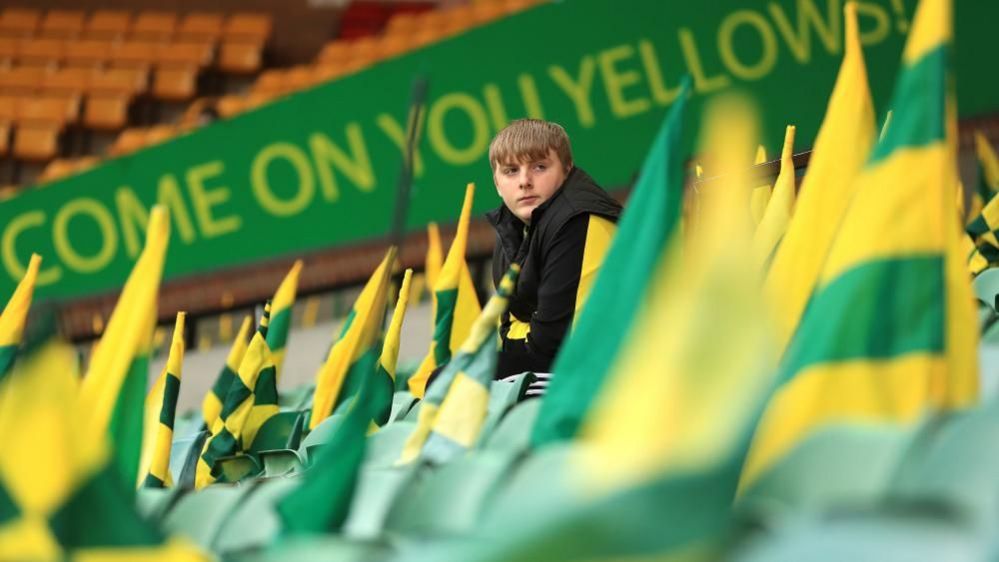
(889, 332)
(161, 407)
(282, 305)
(775, 219)
(458, 421)
(988, 175)
(113, 391)
(338, 379)
(211, 406)
(455, 303)
(434, 261)
(760, 195)
(385, 379)
(843, 143)
(15, 314)
(228, 437)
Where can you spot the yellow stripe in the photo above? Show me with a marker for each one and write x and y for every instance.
(895, 390)
(775, 219)
(988, 159)
(156, 438)
(931, 27)
(174, 550)
(28, 538)
(16, 311)
(414, 443)
(435, 255)
(390, 349)
(466, 309)
(599, 232)
(962, 383)
(462, 411)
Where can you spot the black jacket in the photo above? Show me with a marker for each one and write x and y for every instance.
(550, 252)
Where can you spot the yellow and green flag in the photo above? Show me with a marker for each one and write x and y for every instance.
(211, 405)
(385, 378)
(760, 195)
(843, 143)
(161, 408)
(114, 389)
(889, 332)
(434, 261)
(455, 303)
(361, 335)
(282, 305)
(988, 175)
(15, 314)
(773, 224)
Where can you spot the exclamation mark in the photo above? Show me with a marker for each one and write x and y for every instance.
(902, 22)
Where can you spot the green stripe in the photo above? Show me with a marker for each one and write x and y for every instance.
(238, 393)
(356, 375)
(384, 387)
(347, 324)
(221, 445)
(265, 392)
(985, 190)
(443, 323)
(440, 449)
(8, 507)
(223, 382)
(101, 513)
(920, 106)
(152, 482)
(7, 355)
(277, 332)
(169, 408)
(877, 310)
(977, 227)
(127, 420)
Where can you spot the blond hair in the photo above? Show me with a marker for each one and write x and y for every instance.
(526, 140)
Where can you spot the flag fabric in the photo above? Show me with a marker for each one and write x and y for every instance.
(211, 405)
(281, 307)
(113, 391)
(434, 261)
(988, 175)
(455, 303)
(458, 421)
(229, 432)
(773, 224)
(338, 379)
(161, 408)
(843, 143)
(760, 195)
(15, 314)
(977, 262)
(385, 377)
(645, 229)
(888, 333)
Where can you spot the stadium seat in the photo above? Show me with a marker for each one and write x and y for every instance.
(91, 53)
(296, 398)
(272, 82)
(402, 402)
(255, 522)
(320, 435)
(385, 445)
(375, 495)
(67, 82)
(986, 287)
(175, 83)
(240, 57)
(62, 24)
(282, 431)
(44, 53)
(37, 142)
(200, 26)
(128, 141)
(161, 133)
(21, 80)
(152, 503)
(153, 26)
(107, 24)
(542, 483)
(185, 476)
(236, 468)
(513, 433)
(334, 52)
(106, 111)
(134, 54)
(8, 108)
(248, 26)
(8, 51)
(229, 106)
(19, 22)
(200, 515)
(503, 395)
(485, 12)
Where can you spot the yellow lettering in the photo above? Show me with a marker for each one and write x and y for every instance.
(260, 183)
(494, 103)
(703, 83)
(768, 56)
(204, 199)
(616, 81)
(134, 216)
(8, 247)
(882, 23)
(438, 137)
(579, 89)
(356, 167)
(661, 94)
(799, 39)
(394, 131)
(532, 101)
(84, 206)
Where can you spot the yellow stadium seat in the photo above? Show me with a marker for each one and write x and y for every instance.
(19, 22)
(119, 80)
(200, 26)
(238, 57)
(90, 53)
(36, 141)
(62, 24)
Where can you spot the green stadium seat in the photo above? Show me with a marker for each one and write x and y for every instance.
(236, 468)
(254, 522)
(185, 477)
(385, 445)
(199, 515)
(987, 287)
(378, 488)
(452, 497)
(513, 433)
(543, 482)
(188, 425)
(295, 398)
(402, 403)
(503, 395)
(152, 503)
(282, 431)
(179, 451)
(321, 548)
(280, 462)
(319, 435)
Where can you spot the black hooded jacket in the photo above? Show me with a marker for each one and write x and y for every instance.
(564, 243)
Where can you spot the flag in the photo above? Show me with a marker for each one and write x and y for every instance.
(282, 305)
(649, 222)
(988, 174)
(760, 195)
(843, 143)
(435, 256)
(889, 332)
(229, 432)
(385, 378)
(468, 377)
(161, 407)
(60, 498)
(338, 379)
(113, 391)
(775, 219)
(15, 314)
(455, 303)
(211, 406)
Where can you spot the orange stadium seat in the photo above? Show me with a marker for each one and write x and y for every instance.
(36, 142)
(160, 133)
(237, 57)
(229, 106)
(334, 52)
(134, 54)
(40, 52)
(153, 26)
(186, 54)
(128, 141)
(120, 80)
(90, 53)
(248, 25)
(106, 111)
(21, 80)
(68, 81)
(270, 81)
(298, 78)
(175, 83)
(62, 24)
(200, 26)
(107, 24)
(394, 45)
(19, 22)
(54, 110)
(63, 167)
(458, 19)
(402, 22)
(4, 137)
(8, 51)
(8, 108)
(325, 72)
(487, 11)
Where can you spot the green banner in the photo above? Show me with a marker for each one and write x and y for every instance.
(319, 169)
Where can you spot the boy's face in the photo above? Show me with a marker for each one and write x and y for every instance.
(524, 186)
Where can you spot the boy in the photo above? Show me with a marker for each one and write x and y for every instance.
(557, 223)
